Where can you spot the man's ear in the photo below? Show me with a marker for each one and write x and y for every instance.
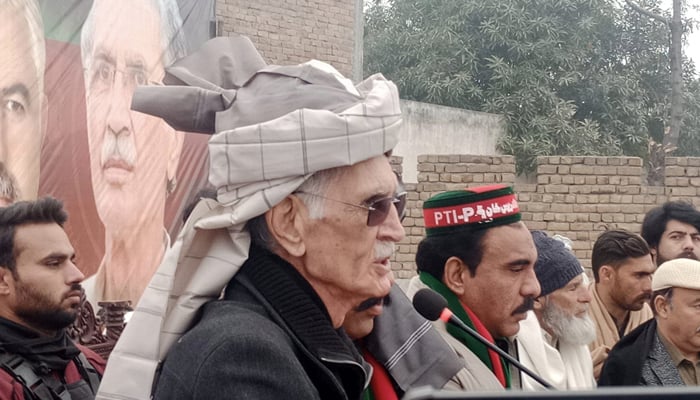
(454, 275)
(7, 281)
(285, 221)
(653, 252)
(605, 273)
(662, 306)
(539, 303)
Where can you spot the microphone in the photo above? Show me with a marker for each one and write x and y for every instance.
(432, 306)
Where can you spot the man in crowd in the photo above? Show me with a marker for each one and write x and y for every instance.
(301, 233)
(622, 269)
(480, 257)
(672, 231)
(133, 156)
(40, 296)
(553, 340)
(23, 105)
(406, 351)
(9, 193)
(665, 350)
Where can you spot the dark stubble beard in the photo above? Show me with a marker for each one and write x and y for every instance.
(38, 311)
(689, 255)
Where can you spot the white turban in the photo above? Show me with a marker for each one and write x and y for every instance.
(274, 127)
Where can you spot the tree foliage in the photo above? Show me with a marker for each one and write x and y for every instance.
(570, 77)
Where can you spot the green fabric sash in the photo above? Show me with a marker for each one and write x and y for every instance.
(456, 307)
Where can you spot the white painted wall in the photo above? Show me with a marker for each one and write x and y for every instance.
(433, 129)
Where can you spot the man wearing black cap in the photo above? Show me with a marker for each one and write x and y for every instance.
(481, 258)
(553, 340)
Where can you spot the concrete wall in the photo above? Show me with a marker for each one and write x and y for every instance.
(434, 129)
(578, 197)
(295, 31)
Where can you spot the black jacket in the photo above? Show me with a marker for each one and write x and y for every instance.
(623, 367)
(640, 358)
(269, 338)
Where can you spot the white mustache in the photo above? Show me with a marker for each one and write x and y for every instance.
(118, 147)
(384, 249)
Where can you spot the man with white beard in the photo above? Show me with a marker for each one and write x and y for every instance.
(553, 340)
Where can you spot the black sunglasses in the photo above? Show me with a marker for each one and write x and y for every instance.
(378, 210)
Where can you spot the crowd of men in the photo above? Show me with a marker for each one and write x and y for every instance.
(280, 285)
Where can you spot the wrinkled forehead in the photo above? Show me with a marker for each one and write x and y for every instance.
(511, 243)
(576, 280)
(515, 233)
(674, 225)
(127, 32)
(16, 44)
(41, 240)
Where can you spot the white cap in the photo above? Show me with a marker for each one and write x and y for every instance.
(681, 272)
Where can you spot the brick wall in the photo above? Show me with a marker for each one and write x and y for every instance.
(294, 31)
(577, 197)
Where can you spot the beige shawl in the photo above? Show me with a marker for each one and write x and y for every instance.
(606, 330)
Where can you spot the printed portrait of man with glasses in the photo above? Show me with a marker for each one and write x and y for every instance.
(133, 156)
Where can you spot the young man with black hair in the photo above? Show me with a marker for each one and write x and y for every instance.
(672, 231)
(40, 296)
(622, 269)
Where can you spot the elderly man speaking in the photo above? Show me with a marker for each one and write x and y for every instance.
(301, 232)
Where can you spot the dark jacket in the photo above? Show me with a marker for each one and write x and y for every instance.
(269, 338)
(12, 389)
(640, 358)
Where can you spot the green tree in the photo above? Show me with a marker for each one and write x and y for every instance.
(571, 77)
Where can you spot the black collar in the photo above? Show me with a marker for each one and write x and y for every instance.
(54, 352)
(298, 304)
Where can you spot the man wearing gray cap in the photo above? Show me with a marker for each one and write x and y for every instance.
(302, 231)
(664, 351)
(553, 340)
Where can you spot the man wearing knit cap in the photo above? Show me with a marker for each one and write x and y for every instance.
(250, 299)
(553, 340)
(664, 351)
(480, 257)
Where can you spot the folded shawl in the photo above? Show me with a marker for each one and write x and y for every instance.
(606, 330)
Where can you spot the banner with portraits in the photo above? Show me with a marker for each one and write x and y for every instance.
(68, 71)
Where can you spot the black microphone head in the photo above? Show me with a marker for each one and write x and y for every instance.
(429, 304)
